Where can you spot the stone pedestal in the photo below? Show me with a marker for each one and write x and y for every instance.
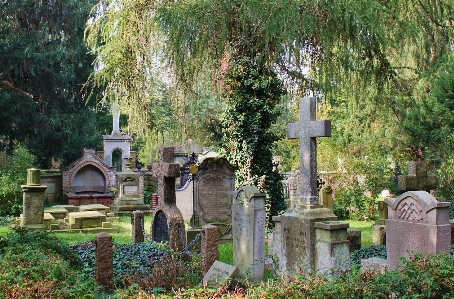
(326, 197)
(248, 231)
(294, 237)
(417, 223)
(104, 260)
(332, 254)
(33, 201)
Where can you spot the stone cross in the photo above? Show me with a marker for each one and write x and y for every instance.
(307, 129)
(417, 178)
(166, 171)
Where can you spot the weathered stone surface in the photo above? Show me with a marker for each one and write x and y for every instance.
(137, 219)
(417, 222)
(326, 197)
(248, 230)
(379, 234)
(95, 207)
(215, 191)
(209, 247)
(417, 178)
(354, 237)
(307, 130)
(220, 272)
(81, 220)
(332, 254)
(33, 201)
(382, 213)
(374, 264)
(167, 211)
(104, 260)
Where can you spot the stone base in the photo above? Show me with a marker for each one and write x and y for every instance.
(354, 236)
(294, 240)
(93, 230)
(128, 209)
(374, 264)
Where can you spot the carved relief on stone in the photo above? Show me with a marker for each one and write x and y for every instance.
(410, 210)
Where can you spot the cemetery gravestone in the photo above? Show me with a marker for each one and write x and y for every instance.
(295, 229)
(104, 260)
(417, 222)
(167, 215)
(214, 191)
(417, 178)
(220, 272)
(209, 247)
(378, 229)
(248, 230)
(137, 219)
(33, 201)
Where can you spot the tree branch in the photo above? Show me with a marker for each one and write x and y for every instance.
(11, 85)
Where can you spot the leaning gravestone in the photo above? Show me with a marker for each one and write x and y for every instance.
(295, 230)
(167, 224)
(33, 201)
(416, 222)
(248, 230)
(220, 272)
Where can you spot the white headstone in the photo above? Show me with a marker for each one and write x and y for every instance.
(248, 231)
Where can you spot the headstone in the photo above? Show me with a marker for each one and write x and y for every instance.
(326, 197)
(209, 247)
(417, 178)
(104, 260)
(307, 129)
(417, 223)
(332, 255)
(296, 228)
(248, 230)
(130, 195)
(167, 216)
(214, 192)
(354, 237)
(378, 229)
(33, 201)
(220, 272)
(137, 221)
(89, 219)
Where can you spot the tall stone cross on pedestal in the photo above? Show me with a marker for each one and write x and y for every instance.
(307, 129)
(166, 171)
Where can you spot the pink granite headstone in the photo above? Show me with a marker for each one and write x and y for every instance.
(416, 222)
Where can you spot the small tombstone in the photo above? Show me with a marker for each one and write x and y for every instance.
(417, 222)
(248, 230)
(378, 229)
(220, 272)
(354, 237)
(104, 260)
(33, 201)
(417, 178)
(209, 247)
(137, 221)
(167, 224)
(326, 197)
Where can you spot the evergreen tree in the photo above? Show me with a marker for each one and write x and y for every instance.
(44, 65)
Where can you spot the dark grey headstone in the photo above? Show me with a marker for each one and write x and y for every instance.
(161, 230)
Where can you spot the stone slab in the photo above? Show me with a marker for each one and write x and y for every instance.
(89, 219)
(220, 272)
(374, 264)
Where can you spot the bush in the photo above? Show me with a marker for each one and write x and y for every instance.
(13, 174)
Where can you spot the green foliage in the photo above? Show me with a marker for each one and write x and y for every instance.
(13, 174)
(365, 253)
(252, 93)
(43, 69)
